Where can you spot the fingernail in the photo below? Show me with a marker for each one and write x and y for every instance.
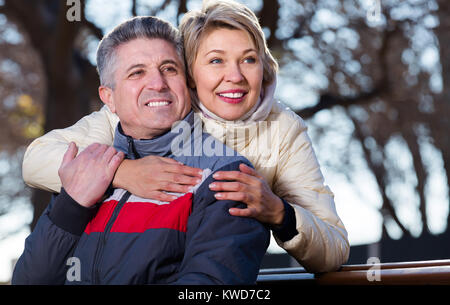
(216, 175)
(218, 195)
(212, 186)
(198, 181)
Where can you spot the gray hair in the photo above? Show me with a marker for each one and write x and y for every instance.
(138, 27)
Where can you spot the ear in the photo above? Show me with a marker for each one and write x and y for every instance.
(106, 95)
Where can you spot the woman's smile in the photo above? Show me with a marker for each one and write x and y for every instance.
(233, 96)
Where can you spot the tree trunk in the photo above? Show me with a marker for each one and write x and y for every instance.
(440, 126)
(421, 174)
(71, 81)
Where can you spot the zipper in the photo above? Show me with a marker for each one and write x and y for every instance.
(103, 237)
(132, 152)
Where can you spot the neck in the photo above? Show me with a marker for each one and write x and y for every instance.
(160, 144)
(140, 134)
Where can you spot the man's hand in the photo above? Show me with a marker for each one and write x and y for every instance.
(151, 176)
(87, 176)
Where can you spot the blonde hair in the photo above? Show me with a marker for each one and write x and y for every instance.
(225, 14)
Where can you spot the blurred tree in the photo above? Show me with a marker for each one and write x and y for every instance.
(68, 82)
(440, 123)
(388, 89)
(380, 66)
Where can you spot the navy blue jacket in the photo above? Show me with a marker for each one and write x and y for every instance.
(132, 240)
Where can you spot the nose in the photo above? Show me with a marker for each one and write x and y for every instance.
(233, 73)
(156, 81)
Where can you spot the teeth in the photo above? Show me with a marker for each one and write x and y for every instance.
(232, 95)
(157, 104)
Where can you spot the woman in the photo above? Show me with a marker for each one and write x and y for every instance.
(232, 77)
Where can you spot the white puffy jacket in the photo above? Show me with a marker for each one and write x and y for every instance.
(280, 150)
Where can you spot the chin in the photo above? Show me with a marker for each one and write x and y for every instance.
(231, 116)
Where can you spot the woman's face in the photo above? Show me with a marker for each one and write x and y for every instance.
(228, 73)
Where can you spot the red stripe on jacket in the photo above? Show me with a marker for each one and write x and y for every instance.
(137, 217)
(98, 223)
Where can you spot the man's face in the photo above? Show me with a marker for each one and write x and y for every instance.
(150, 91)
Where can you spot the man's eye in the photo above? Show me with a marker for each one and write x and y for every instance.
(136, 73)
(169, 69)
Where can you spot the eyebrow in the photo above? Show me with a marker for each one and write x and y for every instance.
(169, 61)
(135, 66)
(222, 51)
(164, 62)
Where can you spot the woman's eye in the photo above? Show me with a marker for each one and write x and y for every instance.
(215, 61)
(250, 60)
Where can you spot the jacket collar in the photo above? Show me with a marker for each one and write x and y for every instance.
(159, 146)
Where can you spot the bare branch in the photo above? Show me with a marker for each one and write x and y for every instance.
(27, 15)
(379, 171)
(182, 7)
(421, 174)
(95, 30)
(327, 101)
(269, 17)
(134, 8)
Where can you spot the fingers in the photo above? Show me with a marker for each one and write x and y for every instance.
(99, 151)
(109, 153)
(175, 183)
(180, 179)
(92, 152)
(95, 156)
(227, 186)
(161, 196)
(173, 166)
(176, 188)
(116, 160)
(243, 181)
(91, 149)
(112, 157)
(168, 160)
(247, 198)
(180, 168)
(243, 174)
(70, 154)
(248, 212)
(248, 170)
(231, 175)
(169, 183)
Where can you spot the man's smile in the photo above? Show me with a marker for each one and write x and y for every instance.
(158, 103)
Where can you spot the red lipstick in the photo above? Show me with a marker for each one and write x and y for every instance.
(232, 96)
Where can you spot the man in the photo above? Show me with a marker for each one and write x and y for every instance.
(131, 240)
